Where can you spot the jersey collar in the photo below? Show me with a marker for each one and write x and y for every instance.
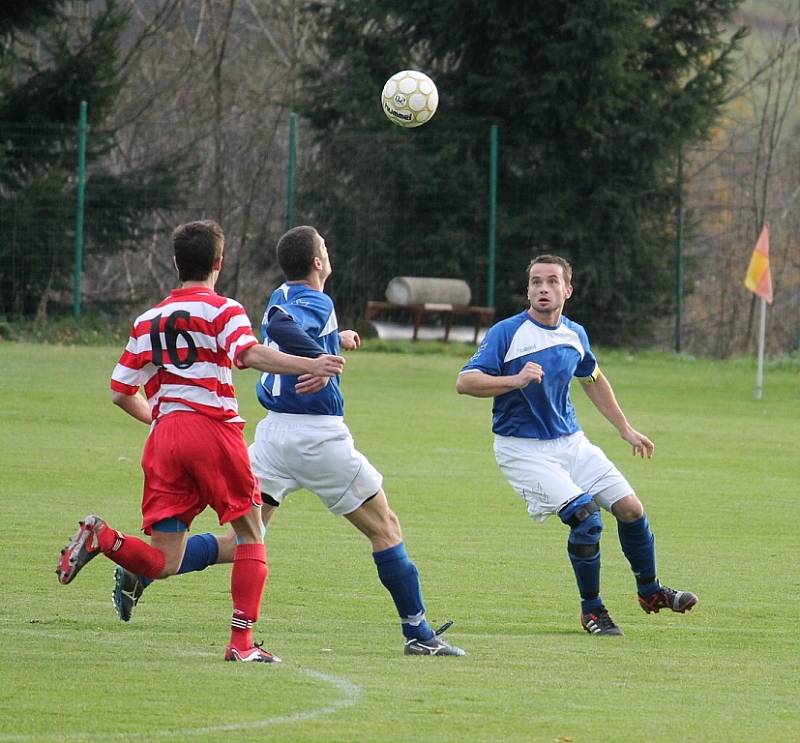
(541, 324)
(183, 291)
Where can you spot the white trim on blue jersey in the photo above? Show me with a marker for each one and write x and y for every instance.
(544, 410)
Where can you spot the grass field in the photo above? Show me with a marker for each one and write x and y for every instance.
(721, 494)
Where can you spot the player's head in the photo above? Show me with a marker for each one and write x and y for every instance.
(302, 252)
(198, 249)
(549, 286)
(566, 268)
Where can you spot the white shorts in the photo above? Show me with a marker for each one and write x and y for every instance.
(315, 452)
(549, 473)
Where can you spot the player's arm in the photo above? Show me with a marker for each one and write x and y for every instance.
(290, 335)
(598, 389)
(134, 405)
(272, 361)
(480, 384)
(127, 379)
(246, 352)
(308, 383)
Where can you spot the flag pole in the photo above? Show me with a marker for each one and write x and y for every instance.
(761, 338)
(758, 280)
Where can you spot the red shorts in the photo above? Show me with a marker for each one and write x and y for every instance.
(191, 461)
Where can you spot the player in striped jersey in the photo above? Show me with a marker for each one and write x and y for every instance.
(526, 363)
(181, 352)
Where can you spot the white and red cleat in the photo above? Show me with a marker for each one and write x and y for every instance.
(255, 654)
(81, 548)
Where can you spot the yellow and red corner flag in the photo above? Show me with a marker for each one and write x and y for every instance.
(758, 279)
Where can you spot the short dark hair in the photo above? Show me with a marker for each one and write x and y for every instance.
(557, 260)
(197, 245)
(296, 251)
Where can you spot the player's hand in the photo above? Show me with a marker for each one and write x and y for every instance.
(640, 444)
(310, 383)
(529, 373)
(350, 340)
(327, 365)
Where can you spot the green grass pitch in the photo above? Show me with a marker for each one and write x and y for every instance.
(721, 493)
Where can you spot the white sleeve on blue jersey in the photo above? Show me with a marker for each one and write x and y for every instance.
(587, 367)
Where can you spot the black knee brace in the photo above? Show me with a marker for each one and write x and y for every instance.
(578, 510)
(582, 515)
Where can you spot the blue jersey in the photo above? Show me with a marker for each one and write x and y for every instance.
(313, 311)
(539, 411)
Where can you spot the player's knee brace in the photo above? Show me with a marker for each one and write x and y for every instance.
(582, 515)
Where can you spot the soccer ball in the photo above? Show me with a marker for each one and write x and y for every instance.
(409, 98)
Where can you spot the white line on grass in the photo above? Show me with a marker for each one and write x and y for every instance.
(350, 695)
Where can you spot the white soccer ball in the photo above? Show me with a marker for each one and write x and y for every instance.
(409, 98)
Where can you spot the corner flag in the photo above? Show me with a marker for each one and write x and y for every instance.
(759, 281)
(758, 278)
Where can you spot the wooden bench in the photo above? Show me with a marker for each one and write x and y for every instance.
(481, 317)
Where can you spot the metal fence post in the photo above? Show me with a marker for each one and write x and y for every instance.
(492, 237)
(291, 175)
(81, 188)
(679, 256)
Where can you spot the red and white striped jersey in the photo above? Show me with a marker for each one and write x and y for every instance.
(182, 352)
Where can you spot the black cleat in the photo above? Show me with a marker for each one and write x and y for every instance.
(668, 598)
(599, 622)
(128, 589)
(433, 646)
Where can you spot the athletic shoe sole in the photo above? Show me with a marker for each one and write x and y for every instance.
(75, 555)
(128, 589)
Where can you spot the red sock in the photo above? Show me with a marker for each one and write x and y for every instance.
(132, 553)
(248, 577)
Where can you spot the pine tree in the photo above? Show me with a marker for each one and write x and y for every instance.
(594, 101)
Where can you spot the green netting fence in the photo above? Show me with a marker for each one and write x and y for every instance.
(112, 254)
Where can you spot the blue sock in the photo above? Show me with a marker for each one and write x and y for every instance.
(400, 577)
(639, 546)
(587, 576)
(202, 550)
(583, 546)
